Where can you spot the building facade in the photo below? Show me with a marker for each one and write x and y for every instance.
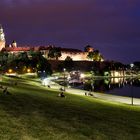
(75, 54)
(2, 38)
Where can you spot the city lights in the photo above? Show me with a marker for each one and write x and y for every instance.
(28, 70)
(82, 75)
(10, 70)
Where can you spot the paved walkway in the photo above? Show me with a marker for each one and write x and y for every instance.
(112, 98)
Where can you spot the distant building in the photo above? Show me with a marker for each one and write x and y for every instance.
(75, 54)
(2, 38)
(14, 44)
(88, 48)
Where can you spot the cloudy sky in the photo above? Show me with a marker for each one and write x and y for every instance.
(111, 26)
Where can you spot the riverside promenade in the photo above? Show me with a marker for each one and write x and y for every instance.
(103, 96)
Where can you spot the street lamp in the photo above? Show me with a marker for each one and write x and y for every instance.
(132, 102)
(131, 66)
(28, 70)
(92, 81)
(64, 78)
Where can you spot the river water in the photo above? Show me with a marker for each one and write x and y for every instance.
(129, 87)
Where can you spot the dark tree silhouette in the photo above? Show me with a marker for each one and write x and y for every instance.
(95, 56)
(68, 63)
(54, 52)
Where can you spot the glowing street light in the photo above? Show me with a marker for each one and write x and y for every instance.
(28, 70)
(82, 75)
(131, 66)
(10, 70)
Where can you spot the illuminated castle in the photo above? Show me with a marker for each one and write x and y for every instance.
(2, 38)
(75, 54)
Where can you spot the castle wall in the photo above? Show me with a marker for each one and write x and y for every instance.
(76, 56)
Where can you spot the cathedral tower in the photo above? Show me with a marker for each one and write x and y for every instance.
(2, 38)
(14, 44)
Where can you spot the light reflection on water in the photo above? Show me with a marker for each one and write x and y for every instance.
(116, 86)
(126, 87)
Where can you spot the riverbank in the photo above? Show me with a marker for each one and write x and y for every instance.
(103, 96)
(35, 112)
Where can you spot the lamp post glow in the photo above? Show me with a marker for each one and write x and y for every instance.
(131, 66)
(82, 75)
(28, 70)
(10, 70)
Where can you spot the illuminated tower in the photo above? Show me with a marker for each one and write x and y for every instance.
(14, 44)
(2, 38)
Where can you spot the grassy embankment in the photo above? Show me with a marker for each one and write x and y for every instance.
(33, 112)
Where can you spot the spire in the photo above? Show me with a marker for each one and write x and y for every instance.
(1, 29)
(14, 44)
(2, 36)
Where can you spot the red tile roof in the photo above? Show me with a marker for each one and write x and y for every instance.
(37, 48)
(9, 49)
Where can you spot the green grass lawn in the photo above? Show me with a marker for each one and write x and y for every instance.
(32, 112)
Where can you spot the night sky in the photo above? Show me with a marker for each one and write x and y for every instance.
(111, 26)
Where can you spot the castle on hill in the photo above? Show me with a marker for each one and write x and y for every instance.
(2, 38)
(75, 54)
